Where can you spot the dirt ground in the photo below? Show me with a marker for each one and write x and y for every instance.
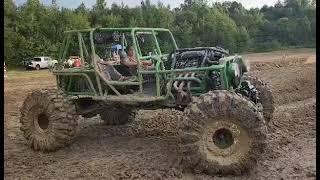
(147, 148)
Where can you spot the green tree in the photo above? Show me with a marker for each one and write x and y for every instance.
(34, 29)
(10, 35)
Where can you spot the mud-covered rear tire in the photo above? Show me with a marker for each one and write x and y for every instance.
(265, 95)
(48, 120)
(116, 115)
(222, 133)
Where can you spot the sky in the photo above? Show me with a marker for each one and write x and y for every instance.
(131, 3)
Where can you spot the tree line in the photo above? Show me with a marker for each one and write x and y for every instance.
(35, 29)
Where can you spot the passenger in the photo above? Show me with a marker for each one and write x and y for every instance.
(69, 62)
(77, 63)
(115, 58)
(109, 71)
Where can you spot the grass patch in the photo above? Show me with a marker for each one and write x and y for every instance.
(19, 74)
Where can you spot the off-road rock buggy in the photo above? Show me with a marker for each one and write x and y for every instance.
(223, 129)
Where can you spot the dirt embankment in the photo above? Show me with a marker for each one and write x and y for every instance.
(291, 79)
(147, 148)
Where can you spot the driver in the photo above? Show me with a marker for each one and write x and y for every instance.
(131, 62)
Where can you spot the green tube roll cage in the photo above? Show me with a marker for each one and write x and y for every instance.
(169, 75)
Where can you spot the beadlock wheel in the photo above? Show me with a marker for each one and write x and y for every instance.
(225, 139)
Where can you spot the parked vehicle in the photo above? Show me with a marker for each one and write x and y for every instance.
(40, 62)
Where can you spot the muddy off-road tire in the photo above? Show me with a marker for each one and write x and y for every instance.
(265, 96)
(48, 120)
(117, 116)
(214, 115)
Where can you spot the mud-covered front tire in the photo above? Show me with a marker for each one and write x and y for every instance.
(116, 115)
(222, 133)
(48, 120)
(265, 95)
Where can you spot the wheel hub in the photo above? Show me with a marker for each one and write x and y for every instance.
(223, 138)
(43, 121)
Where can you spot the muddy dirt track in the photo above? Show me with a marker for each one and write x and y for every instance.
(147, 148)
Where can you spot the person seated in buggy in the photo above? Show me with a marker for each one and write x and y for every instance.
(108, 69)
(130, 61)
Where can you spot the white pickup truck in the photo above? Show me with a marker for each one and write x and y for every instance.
(40, 63)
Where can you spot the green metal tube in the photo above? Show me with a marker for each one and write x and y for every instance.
(80, 74)
(130, 29)
(73, 70)
(122, 42)
(157, 43)
(225, 80)
(66, 48)
(157, 78)
(173, 40)
(130, 99)
(76, 31)
(117, 29)
(140, 78)
(62, 49)
(138, 53)
(123, 83)
(107, 82)
(80, 93)
(85, 47)
(162, 67)
(81, 49)
(149, 29)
